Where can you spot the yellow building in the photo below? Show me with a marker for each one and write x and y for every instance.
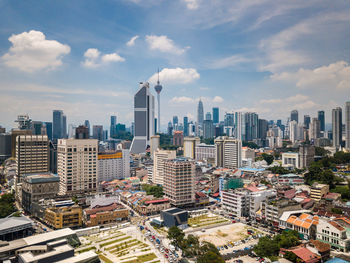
(62, 217)
(318, 191)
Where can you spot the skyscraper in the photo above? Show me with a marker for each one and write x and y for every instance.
(158, 89)
(143, 118)
(251, 126)
(49, 130)
(228, 152)
(64, 128)
(294, 116)
(208, 116)
(337, 124)
(321, 118)
(57, 124)
(208, 129)
(112, 131)
(262, 129)
(97, 132)
(200, 113)
(216, 115)
(24, 122)
(307, 121)
(314, 131)
(185, 126)
(175, 122)
(229, 119)
(347, 123)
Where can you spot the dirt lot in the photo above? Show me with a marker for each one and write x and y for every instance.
(222, 235)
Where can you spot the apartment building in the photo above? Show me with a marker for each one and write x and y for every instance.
(32, 155)
(62, 217)
(113, 165)
(236, 202)
(179, 181)
(205, 152)
(256, 198)
(334, 234)
(273, 209)
(318, 191)
(77, 165)
(228, 152)
(38, 186)
(190, 144)
(290, 160)
(158, 164)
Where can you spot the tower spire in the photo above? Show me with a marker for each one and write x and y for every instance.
(158, 77)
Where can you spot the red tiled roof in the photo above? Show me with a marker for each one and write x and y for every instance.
(320, 246)
(157, 201)
(340, 228)
(200, 194)
(103, 208)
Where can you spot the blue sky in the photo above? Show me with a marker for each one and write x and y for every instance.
(87, 57)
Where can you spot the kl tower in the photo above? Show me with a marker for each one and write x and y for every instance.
(158, 89)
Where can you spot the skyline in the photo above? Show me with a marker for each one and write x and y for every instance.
(89, 65)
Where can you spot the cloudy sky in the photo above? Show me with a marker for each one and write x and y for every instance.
(86, 57)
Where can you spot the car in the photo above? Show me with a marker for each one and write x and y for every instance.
(233, 221)
(225, 247)
(218, 248)
(166, 255)
(167, 250)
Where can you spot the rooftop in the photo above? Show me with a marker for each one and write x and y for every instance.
(41, 178)
(12, 222)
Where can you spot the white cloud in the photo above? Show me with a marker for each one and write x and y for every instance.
(334, 76)
(228, 62)
(176, 76)
(31, 51)
(191, 4)
(94, 59)
(132, 40)
(182, 99)
(218, 99)
(163, 44)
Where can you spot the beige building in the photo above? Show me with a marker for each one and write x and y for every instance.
(62, 217)
(190, 144)
(158, 164)
(318, 190)
(38, 186)
(77, 165)
(179, 183)
(228, 152)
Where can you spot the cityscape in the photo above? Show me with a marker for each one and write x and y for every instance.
(198, 159)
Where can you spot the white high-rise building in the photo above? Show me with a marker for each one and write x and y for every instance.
(228, 152)
(158, 164)
(113, 165)
(143, 119)
(347, 123)
(155, 141)
(190, 144)
(314, 131)
(77, 165)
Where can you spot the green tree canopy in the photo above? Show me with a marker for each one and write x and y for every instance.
(7, 205)
(176, 236)
(155, 190)
(268, 158)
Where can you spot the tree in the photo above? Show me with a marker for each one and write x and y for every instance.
(155, 190)
(268, 158)
(292, 257)
(210, 257)
(7, 205)
(176, 236)
(320, 151)
(250, 145)
(266, 247)
(278, 170)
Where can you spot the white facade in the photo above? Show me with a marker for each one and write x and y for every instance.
(190, 144)
(236, 202)
(334, 234)
(205, 152)
(228, 152)
(158, 164)
(155, 141)
(290, 160)
(256, 199)
(77, 165)
(114, 165)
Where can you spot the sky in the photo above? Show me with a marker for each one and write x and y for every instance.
(87, 57)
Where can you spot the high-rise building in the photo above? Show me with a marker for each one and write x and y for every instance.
(97, 132)
(57, 124)
(190, 144)
(200, 115)
(64, 129)
(82, 132)
(158, 88)
(239, 126)
(179, 181)
(251, 126)
(175, 122)
(262, 129)
(208, 129)
(208, 116)
(32, 156)
(314, 131)
(87, 124)
(49, 130)
(229, 119)
(112, 130)
(178, 138)
(113, 165)
(347, 123)
(294, 116)
(321, 118)
(170, 128)
(228, 152)
(307, 121)
(24, 122)
(306, 155)
(337, 124)
(158, 164)
(155, 142)
(37, 127)
(186, 126)
(71, 131)
(216, 119)
(5, 146)
(77, 165)
(143, 118)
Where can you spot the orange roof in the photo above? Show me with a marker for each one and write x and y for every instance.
(340, 228)
(303, 216)
(304, 220)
